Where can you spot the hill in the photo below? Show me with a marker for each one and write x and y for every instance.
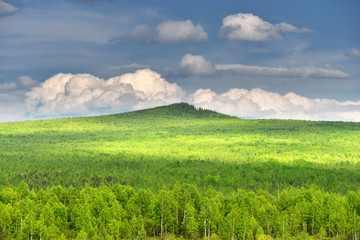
(177, 171)
(163, 145)
(182, 110)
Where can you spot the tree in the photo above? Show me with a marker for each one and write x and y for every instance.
(5, 220)
(164, 212)
(29, 225)
(23, 190)
(322, 235)
(52, 232)
(82, 235)
(141, 232)
(191, 222)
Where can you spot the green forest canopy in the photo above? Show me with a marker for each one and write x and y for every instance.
(164, 145)
(155, 149)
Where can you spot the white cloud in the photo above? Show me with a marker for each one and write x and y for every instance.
(258, 103)
(246, 26)
(195, 65)
(299, 72)
(12, 106)
(7, 86)
(168, 32)
(84, 93)
(180, 31)
(87, 94)
(12, 111)
(198, 65)
(352, 52)
(286, 27)
(6, 9)
(127, 66)
(28, 82)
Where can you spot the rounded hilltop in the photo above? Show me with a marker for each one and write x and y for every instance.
(176, 109)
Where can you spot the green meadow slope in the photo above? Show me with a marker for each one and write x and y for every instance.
(178, 143)
(178, 172)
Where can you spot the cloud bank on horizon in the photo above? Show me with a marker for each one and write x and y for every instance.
(65, 94)
(84, 93)
(236, 58)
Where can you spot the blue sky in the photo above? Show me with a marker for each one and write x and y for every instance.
(261, 59)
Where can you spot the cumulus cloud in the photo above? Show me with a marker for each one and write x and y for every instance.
(6, 9)
(168, 32)
(352, 52)
(28, 82)
(7, 86)
(246, 26)
(84, 93)
(195, 65)
(258, 103)
(299, 72)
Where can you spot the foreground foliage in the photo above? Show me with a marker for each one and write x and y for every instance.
(121, 212)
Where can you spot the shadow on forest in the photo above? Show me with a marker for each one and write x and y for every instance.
(155, 173)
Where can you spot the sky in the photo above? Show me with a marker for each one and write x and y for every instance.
(252, 59)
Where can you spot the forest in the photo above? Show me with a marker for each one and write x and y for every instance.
(121, 212)
(176, 172)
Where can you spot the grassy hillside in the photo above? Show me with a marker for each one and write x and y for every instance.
(177, 172)
(164, 145)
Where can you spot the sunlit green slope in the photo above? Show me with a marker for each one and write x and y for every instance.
(179, 143)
